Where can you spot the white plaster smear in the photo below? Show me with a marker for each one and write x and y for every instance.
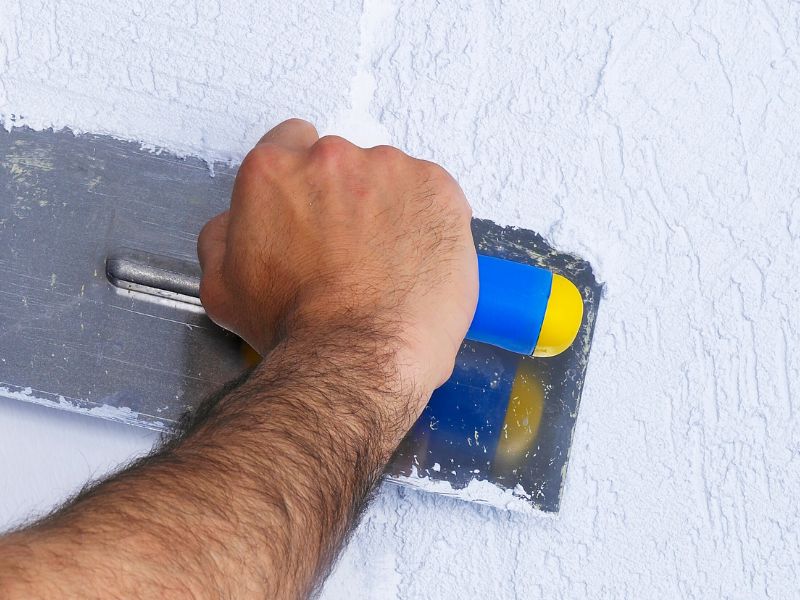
(479, 491)
(102, 411)
(658, 139)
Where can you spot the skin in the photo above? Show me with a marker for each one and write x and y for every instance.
(353, 272)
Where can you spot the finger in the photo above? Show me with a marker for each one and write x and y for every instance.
(294, 134)
(211, 242)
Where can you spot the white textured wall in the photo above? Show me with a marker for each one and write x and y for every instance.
(658, 139)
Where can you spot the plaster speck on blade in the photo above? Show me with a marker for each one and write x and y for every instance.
(498, 432)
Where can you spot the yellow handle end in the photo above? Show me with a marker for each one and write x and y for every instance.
(562, 318)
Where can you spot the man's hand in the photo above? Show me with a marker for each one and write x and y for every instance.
(322, 234)
(354, 273)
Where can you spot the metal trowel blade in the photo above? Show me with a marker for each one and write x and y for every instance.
(75, 335)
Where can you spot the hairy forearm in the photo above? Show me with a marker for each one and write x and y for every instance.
(253, 498)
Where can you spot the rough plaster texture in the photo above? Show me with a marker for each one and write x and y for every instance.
(660, 140)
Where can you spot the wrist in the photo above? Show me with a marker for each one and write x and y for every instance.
(374, 336)
(369, 381)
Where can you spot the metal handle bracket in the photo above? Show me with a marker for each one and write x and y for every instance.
(154, 274)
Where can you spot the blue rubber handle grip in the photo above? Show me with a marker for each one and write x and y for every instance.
(511, 304)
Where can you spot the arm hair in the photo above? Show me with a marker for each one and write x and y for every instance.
(253, 497)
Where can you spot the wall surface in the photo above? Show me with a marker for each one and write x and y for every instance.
(657, 139)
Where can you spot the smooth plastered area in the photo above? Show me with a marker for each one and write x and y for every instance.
(657, 139)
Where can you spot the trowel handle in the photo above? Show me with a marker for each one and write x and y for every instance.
(525, 309)
(521, 308)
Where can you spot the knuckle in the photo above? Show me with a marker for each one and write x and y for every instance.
(334, 141)
(435, 177)
(388, 154)
(331, 150)
(439, 179)
(261, 162)
(439, 175)
(300, 124)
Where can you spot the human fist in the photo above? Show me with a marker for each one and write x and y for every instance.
(322, 234)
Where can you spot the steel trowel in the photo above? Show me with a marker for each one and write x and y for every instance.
(99, 314)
